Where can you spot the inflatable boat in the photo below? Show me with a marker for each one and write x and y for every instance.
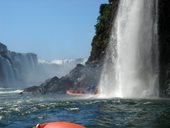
(59, 125)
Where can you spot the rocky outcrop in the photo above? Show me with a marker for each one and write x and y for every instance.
(15, 67)
(79, 78)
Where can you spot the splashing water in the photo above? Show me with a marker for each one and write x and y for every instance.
(131, 62)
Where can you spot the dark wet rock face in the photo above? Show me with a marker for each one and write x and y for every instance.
(164, 47)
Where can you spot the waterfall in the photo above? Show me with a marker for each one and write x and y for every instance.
(131, 63)
(16, 69)
(7, 71)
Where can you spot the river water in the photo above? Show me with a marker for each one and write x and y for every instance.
(26, 110)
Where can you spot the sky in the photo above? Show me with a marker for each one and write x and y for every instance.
(53, 29)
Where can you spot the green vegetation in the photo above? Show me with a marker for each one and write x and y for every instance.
(100, 40)
(103, 29)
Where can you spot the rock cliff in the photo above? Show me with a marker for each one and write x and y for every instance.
(103, 29)
(15, 67)
(164, 47)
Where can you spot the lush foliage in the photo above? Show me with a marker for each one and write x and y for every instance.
(101, 38)
(103, 29)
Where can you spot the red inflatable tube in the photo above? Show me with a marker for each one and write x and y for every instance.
(59, 125)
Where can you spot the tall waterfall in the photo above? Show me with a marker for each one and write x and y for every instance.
(131, 62)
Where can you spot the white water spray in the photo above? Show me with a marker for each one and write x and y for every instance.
(131, 62)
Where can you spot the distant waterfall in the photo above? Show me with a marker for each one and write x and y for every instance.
(7, 71)
(16, 69)
(131, 62)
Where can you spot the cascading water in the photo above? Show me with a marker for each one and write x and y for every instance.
(131, 62)
(16, 69)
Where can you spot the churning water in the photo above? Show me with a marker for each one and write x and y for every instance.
(131, 63)
(26, 110)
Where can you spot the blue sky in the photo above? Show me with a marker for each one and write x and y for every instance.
(53, 29)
